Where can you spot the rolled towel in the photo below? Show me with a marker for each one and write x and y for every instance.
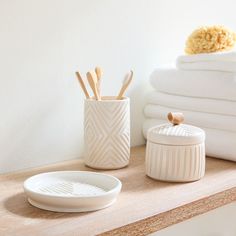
(199, 84)
(220, 144)
(201, 119)
(220, 61)
(214, 106)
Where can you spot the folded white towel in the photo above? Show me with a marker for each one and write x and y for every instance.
(219, 144)
(202, 57)
(204, 84)
(227, 66)
(213, 106)
(201, 119)
(224, 61)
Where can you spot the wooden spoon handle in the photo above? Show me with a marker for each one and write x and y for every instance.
(92, 84)
(175, 118)
(125, 86)
(82, 85)
(98, 72)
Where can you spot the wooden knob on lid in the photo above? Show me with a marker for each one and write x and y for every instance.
(176, 118)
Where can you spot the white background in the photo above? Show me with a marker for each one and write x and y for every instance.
(42, 44)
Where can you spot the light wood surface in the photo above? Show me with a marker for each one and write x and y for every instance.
(144, 205)
(175, 118)
(92, 79)
(81, 82)
(125, 85)
(98, 72)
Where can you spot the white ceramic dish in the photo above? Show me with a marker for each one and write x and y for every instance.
(72, 191)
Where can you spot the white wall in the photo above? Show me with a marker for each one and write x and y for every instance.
(42, 43)
(175, 20)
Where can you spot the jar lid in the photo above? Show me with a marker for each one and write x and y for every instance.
(170, 134)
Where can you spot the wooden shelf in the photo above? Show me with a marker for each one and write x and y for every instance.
(143, 207)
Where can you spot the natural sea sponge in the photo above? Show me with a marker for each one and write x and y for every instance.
(210, 39)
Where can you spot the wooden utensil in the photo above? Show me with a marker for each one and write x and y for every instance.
(91, 76)
(126, 83)
(81, 82)
(98, 72)
(175, 118)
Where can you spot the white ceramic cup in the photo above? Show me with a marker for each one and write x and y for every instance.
(107, 133)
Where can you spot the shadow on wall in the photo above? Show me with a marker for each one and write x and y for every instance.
(40, 135)
(137, 102)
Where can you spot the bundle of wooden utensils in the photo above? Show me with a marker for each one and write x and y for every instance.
(94, 80)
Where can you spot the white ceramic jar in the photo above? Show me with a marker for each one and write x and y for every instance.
(107, 133)
(175, 153)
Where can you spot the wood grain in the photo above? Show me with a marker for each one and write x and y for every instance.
(125, 85)
(144, 205)
(81, 82)
(155, 223)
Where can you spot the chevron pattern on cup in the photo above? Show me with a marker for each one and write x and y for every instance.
(107, 133)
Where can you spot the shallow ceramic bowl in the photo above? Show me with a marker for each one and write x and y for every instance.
(72, 191)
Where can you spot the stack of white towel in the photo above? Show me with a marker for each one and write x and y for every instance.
(203, 87)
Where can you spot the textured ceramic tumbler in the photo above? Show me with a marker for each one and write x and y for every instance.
(107, 133)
